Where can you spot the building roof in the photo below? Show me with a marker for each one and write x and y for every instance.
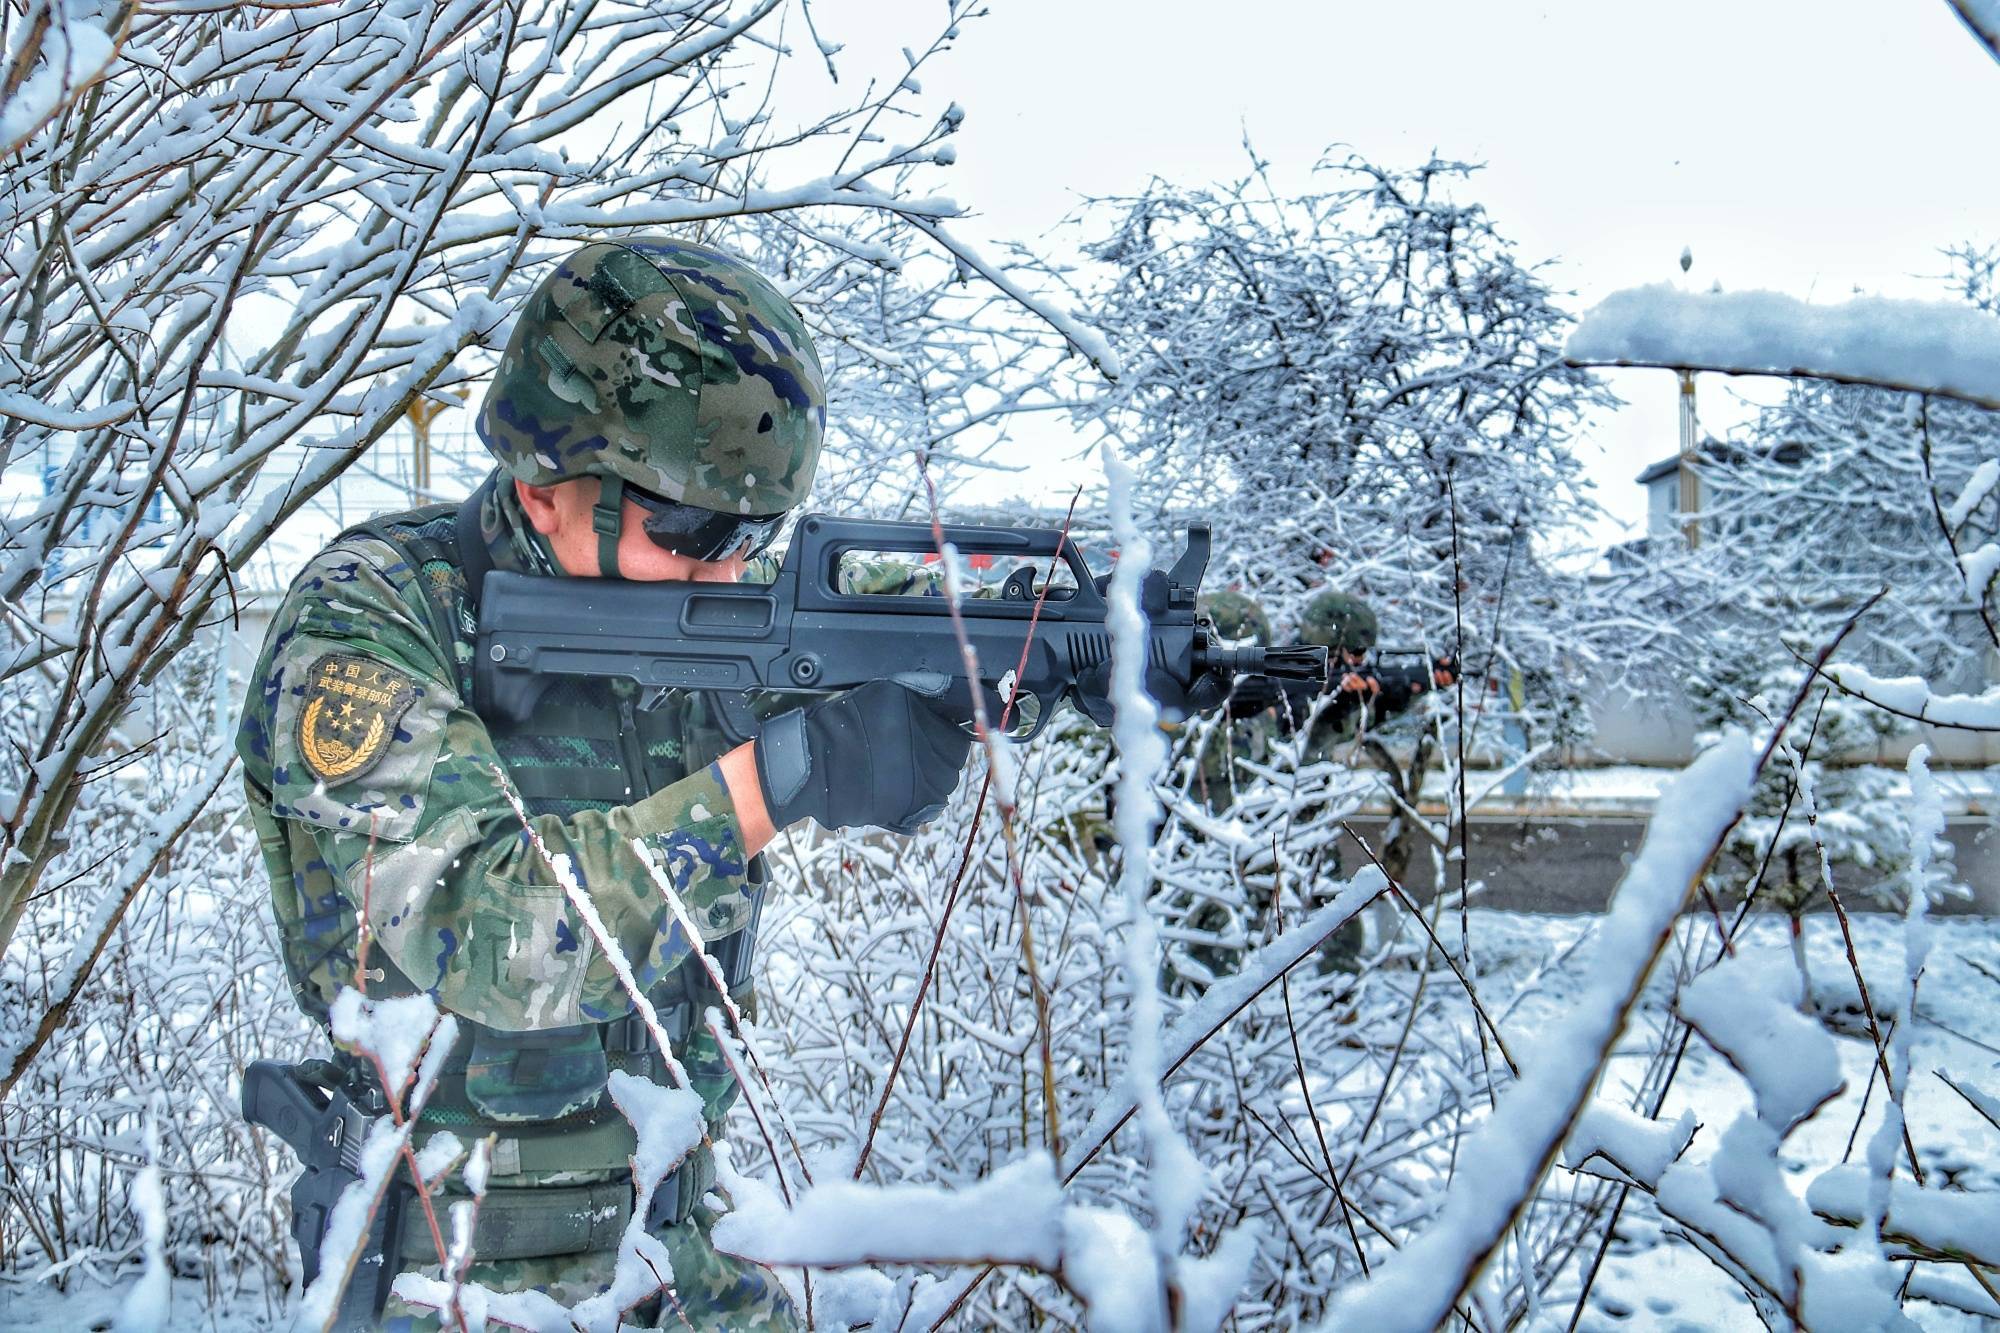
(1666, 467)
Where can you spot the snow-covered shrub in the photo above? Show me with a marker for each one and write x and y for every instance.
(187, 991)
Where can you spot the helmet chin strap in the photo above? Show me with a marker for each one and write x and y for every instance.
(607, 519)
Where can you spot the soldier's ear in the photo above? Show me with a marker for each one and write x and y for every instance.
(540, 505)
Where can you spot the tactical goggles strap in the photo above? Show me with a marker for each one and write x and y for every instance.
(607, 519)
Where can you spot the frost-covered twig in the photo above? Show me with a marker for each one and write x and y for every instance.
(1174, 1176)
(157, 844)
(1416, 914)
(148, 1305)
(1926, 825)
(737, 1023)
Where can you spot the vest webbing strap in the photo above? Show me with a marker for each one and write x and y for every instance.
(474, 560)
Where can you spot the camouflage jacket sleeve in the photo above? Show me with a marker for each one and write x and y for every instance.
(375, 769)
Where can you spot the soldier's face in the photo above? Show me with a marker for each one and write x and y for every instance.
(561, 513)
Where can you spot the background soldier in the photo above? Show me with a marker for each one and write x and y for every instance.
(1362, 694)
(658, 411)
(1237, 618)
(1346, 627)
(1239, 733)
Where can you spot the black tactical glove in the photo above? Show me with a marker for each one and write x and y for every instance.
(887, 753)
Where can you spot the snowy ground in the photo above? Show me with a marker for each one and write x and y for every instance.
(1650, 1279)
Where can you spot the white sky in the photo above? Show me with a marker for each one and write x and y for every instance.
(1816, 147)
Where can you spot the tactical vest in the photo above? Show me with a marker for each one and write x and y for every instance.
(587, 745)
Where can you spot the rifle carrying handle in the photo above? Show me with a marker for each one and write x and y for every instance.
(821, 539)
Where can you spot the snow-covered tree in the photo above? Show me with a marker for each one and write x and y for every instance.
(1838, 497)
(1361, 387)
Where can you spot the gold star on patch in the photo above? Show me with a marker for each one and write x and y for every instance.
(345, 727)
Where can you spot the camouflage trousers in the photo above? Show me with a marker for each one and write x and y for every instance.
(712, 1292)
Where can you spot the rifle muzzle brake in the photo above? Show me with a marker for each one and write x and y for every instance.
(1301, 662)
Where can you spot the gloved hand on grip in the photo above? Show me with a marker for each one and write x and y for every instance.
(887, 754)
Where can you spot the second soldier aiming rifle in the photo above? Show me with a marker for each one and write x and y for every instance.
(803, 632)
(1389, 688)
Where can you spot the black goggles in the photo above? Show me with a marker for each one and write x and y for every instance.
(703, 534)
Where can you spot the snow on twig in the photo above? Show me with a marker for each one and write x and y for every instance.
(737, 1023)
(1977, 487)
(1502, 1165)
(1636, 1147)
(382, 1030)
(1982, 19)
(1174, 1176)
(670, 1125)
(147, 1307)
(1919, 346)
(1079, 335)
(1014, 1216)
(1748, 1008)
(1942, 1222)
(1910, 697)
(1926, 827)
(1221, 1002)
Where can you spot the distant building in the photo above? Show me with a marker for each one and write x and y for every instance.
(1663, 497)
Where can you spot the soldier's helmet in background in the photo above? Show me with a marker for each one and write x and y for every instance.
(1236, 616)
(1338, 622)
(675, 366)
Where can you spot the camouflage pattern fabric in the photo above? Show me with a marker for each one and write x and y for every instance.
(1338, 621)
(890, 578)
(1235, 617)
(902, 576)
(459, 901)
(672, 365)
(1215, 777)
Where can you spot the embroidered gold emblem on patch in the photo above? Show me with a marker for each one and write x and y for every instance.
(352, 708)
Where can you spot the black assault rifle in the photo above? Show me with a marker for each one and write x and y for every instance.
(802, 633)
(1385, 688)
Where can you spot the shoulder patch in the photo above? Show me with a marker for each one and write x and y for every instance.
(349, 715)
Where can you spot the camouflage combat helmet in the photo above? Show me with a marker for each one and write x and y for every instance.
(1236, 616)
(672, 366)
(1339, 622)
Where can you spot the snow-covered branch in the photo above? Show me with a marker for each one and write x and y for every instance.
(1923, 347)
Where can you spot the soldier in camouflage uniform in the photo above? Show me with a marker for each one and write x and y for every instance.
(658, 410)
(1235, 618)
(1346, 627)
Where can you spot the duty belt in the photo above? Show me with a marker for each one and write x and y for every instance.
(536, 1221)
